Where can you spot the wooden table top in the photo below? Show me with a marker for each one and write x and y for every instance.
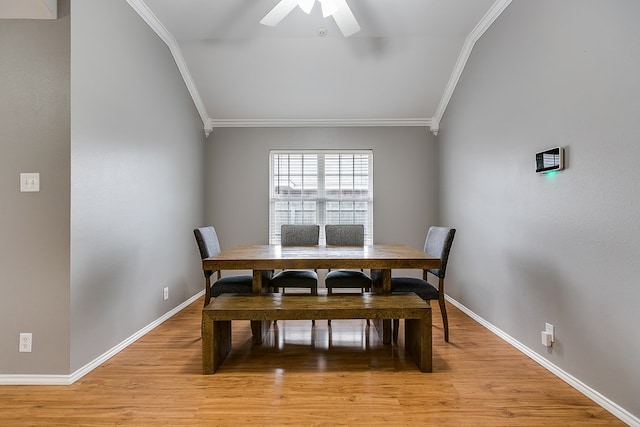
(268, 257)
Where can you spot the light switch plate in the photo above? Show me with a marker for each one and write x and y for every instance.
(29, 182)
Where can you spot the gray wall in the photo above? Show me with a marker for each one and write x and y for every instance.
(108, 123)
(532, 249)
(405, 178)
(137, 188)
(34, 242)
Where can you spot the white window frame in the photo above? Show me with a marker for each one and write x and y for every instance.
(311, 202)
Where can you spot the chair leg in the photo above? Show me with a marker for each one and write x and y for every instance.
(396, 326)
(314, 291)
(445, 321)
(363, 291)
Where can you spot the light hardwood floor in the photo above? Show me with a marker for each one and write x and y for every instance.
(305, 376)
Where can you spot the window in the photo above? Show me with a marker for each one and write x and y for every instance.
(321, 187)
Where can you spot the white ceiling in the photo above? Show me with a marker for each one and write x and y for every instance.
(400, 69)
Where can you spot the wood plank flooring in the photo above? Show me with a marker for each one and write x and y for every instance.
(309, 376)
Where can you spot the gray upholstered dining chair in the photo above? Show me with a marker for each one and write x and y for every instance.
(297, 235)
(209, 246)
(437, 243)
(346, 235)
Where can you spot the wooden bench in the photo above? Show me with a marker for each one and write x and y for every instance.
(217, 317)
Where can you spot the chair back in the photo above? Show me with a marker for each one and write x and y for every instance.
(207, 243)
(438, 243)
(299, 235)
(345, 234)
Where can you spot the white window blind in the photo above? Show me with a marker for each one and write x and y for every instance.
(321, 187)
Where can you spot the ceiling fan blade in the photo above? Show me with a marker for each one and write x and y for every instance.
(278, 13)
(306, 5)
(345, 19)
(328, 7)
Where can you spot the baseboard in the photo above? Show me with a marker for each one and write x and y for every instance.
(615, 409)
(22, 379)
(26, 379)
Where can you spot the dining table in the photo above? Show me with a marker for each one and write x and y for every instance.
(380, 259)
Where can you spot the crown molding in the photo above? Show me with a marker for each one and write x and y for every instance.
(230, 123)
(145, 13)
(487, 20)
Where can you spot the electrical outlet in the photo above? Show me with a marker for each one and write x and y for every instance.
(166, 293)
(548, 328)
(548, 335)
(25, 342)
(29, 182)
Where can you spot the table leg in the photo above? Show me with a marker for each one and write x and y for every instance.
(386, 290)
(257, 282)
(259, 328)
(382, 285)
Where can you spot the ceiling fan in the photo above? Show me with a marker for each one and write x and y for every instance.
(339, 9)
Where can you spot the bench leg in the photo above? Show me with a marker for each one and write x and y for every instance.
(417, 341)
(216, 343)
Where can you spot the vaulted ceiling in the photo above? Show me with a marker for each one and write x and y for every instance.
(400, 69)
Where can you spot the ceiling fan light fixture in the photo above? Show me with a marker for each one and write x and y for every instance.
(338, 9)
(306, 5)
